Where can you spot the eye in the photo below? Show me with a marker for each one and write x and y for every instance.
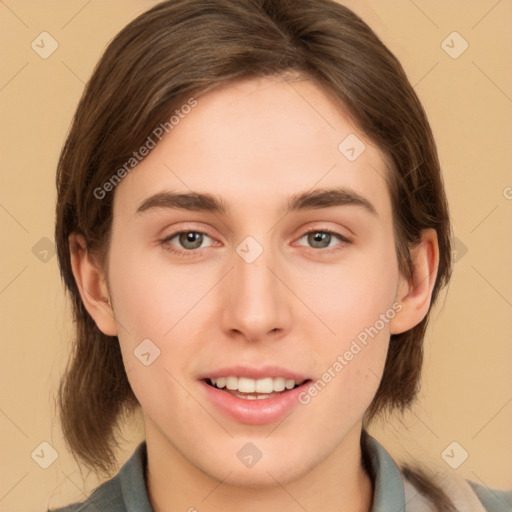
(319, 239)
(188, 240)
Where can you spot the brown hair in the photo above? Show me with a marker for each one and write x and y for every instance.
(182, 48)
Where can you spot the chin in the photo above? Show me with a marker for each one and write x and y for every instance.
(275, 467)
(260, 477)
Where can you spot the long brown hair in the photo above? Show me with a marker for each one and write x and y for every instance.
(180, 49)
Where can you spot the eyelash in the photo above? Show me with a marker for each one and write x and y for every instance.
(166, 242)
(343, 240)
(193, 252)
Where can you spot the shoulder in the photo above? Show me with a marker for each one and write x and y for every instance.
(126, 491)
(416, 491)
(467, 496)
(494, 500)
(108, 493)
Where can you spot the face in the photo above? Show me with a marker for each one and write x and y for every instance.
(250, 252)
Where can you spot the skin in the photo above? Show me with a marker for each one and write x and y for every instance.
(255, 144)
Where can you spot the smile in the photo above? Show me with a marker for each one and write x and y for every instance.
(254, 389)
(255, 397)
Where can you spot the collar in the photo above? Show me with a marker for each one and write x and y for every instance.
(388, 494)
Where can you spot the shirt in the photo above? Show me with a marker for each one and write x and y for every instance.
(127, 492)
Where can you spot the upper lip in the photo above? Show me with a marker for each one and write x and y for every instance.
(254, 373)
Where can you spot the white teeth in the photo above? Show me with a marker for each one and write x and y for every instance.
(289, 383)
(232, 383)
(279, 384)
(246, 385)
(264, 386)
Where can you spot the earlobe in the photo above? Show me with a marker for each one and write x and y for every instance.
(415, 295)
(92, 285)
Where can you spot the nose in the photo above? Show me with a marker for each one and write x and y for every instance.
(256, 304)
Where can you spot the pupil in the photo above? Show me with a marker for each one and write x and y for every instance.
(319, 239)
(191, 240)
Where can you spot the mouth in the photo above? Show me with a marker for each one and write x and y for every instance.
(254, 389)
(254, 397)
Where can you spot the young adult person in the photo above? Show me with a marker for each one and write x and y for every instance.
(252, 225)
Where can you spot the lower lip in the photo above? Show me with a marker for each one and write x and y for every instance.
(254, 412)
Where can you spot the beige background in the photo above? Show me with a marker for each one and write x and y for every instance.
(467, 386)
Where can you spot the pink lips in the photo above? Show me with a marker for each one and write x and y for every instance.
(254, 412)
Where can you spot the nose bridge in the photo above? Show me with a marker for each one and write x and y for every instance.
(256, 304)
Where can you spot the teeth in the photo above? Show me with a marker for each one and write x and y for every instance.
(263, 386)
(289, 383)
(279, 384)
(246, 385)
(232, 383)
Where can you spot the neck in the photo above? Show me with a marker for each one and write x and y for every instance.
(339, 482)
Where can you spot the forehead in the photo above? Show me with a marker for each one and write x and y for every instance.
(253, 142)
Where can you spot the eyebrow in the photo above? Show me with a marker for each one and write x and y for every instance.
(311, 200)
(192, 201)
(326, 198)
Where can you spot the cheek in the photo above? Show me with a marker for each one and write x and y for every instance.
(151, 296)
(351, 295)
(350, 373)
(160, 310)
(356, 300)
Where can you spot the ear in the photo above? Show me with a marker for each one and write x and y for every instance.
(92, 285)
(415, 295)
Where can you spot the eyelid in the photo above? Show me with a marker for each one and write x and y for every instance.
(343, 237)
(343, 241)
(186, 230)
(166, 242)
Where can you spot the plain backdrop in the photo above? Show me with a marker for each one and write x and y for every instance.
(466, 395)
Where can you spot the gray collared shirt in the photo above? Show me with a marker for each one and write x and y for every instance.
(127, 492)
